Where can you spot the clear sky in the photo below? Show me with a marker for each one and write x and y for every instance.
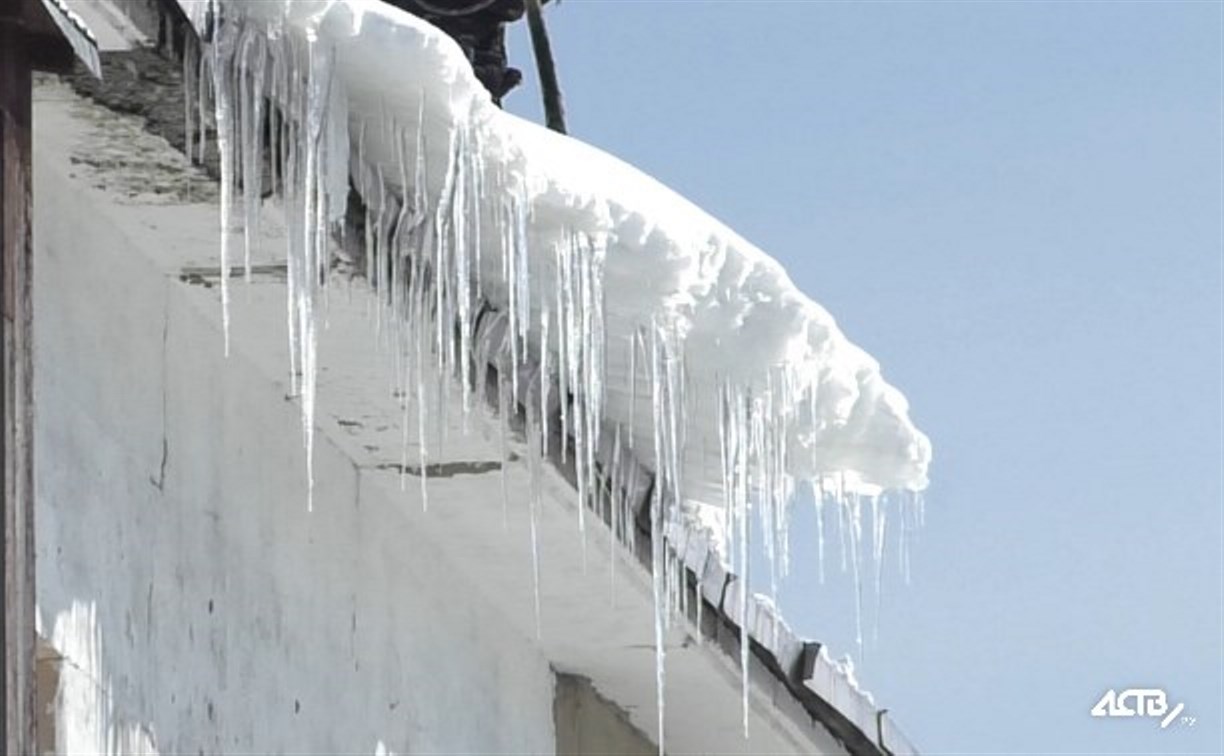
(1016, 207)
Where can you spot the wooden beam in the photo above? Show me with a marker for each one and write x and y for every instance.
(40, 34)
(16, 410)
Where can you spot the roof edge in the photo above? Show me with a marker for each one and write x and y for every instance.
(796, 673)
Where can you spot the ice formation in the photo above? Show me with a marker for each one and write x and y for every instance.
(627, 312)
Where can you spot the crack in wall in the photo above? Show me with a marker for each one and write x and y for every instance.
(160, 481)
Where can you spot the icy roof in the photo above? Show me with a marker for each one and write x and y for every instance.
(631, 331)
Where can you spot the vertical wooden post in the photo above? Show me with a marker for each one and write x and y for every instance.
(16, 371)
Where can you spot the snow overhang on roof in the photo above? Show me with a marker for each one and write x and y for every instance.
(669, 367)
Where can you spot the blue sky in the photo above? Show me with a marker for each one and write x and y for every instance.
(1016, 207)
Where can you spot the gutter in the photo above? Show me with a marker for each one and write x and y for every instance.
(795, 673)
(78, 35)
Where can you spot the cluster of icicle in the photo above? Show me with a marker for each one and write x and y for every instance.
(232, 78)
(453, 271)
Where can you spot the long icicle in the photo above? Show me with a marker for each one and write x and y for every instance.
(223, 48)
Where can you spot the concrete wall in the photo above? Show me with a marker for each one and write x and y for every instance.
(197, 605)
(588, 723)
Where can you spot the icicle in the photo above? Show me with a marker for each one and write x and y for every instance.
(769, 500)
(223, 49)
(843, 512)
(203, 80)
(657, 582)
(315, 112)
(614, 514)
(275, 165)
(467, 201)
(289, 161)
(633, 382)
(535, 462)
(191, 63)
(724, 455)
(504, 404)
(545, 377)
(418, 307)
(252, 63)
(571, 287)
(476, 214)
(510, 269)
(562, 353)
(521, 319)
(819, 497)
(745, 541)
(656, 535)
(878, 523)
(855, 515)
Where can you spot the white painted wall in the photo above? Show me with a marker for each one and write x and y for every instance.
(198, 605)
